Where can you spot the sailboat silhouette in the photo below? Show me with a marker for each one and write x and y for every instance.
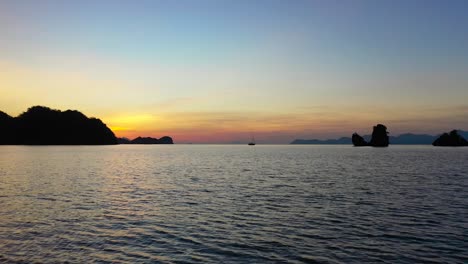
(252, 142)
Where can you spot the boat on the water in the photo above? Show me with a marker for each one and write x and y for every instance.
(252, 142)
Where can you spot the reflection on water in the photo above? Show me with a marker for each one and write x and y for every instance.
(198, 203)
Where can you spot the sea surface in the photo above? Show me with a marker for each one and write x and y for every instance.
(233, 204)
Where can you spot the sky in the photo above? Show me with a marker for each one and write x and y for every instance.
(218, 71)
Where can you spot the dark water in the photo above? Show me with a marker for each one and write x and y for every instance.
(233, 204)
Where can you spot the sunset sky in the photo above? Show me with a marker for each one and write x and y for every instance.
(217, 71)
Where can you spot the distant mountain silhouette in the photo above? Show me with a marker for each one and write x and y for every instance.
(41, 125)
(343, 140)
(412, 139)
(452, 139)
(146, 140)
(123, 140)
(463, 133)
(403, 139)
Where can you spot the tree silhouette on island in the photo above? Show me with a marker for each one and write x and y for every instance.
(41, 125)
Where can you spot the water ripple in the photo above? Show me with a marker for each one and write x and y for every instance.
(233, 204)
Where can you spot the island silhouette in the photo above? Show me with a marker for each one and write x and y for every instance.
(379, 138)
(41, 125)
(451, 139)
(146, 140)
(402, 139)
(358, 141)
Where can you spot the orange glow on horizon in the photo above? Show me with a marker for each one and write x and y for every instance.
(210, 119)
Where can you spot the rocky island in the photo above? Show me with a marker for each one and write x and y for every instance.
(146, 140)
(379, 138)
(40, 125)
(452, 139)
(402, 139)
(358, 141)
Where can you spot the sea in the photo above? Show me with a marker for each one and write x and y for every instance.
(233, 204)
